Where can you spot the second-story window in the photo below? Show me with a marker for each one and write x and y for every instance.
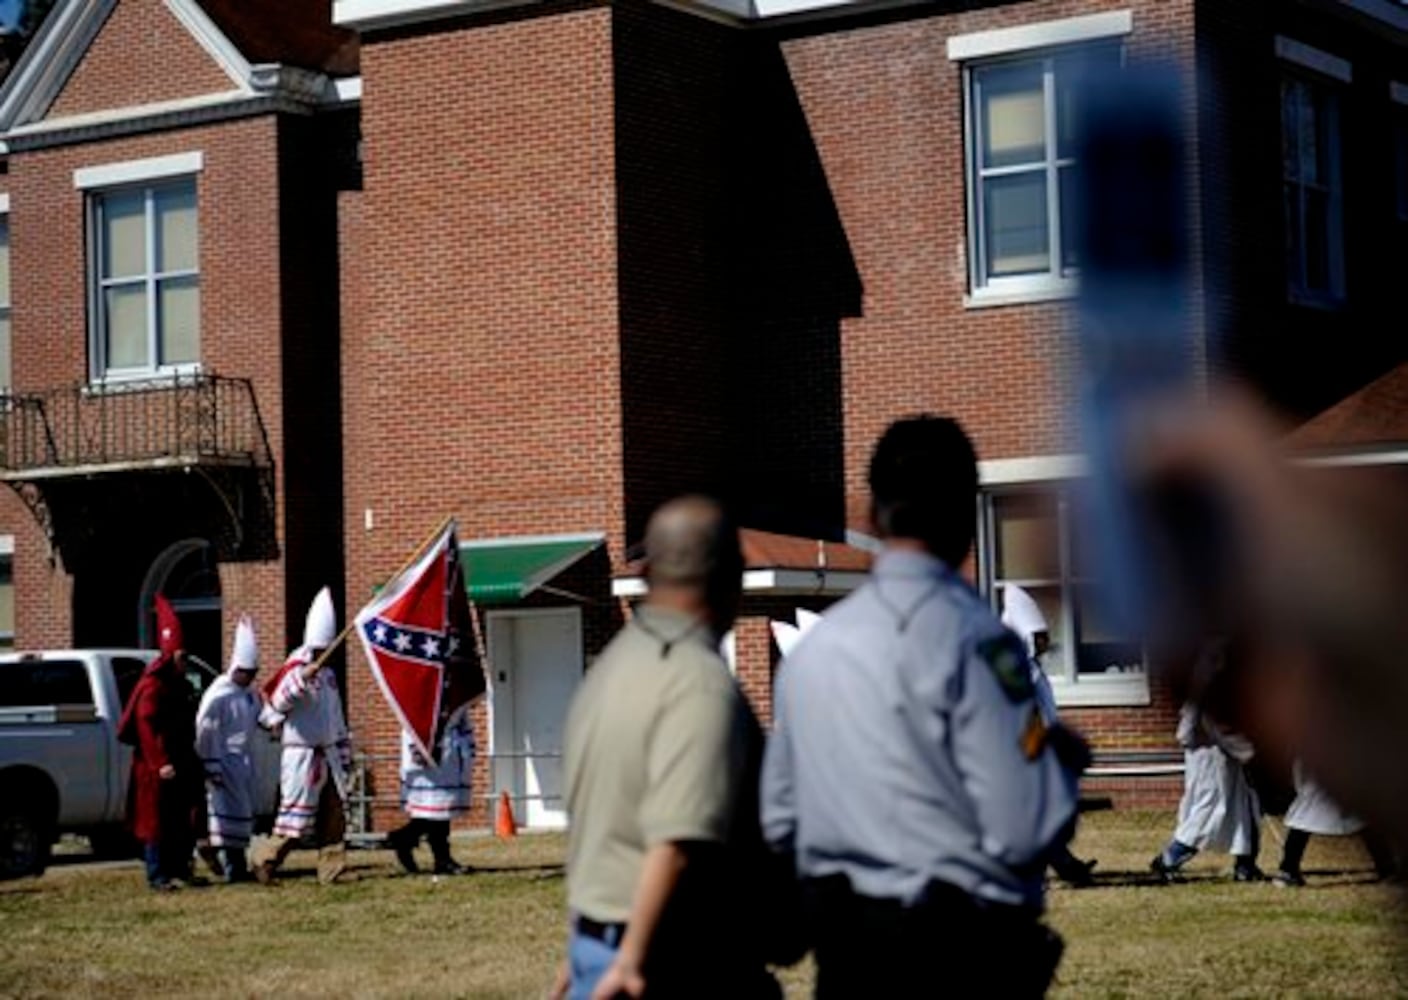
(146, 280)
(1022, 116)
(1310, 159)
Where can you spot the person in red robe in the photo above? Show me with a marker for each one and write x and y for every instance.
(159, 723)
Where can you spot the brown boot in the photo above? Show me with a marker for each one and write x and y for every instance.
(264, 873)
(332, 864)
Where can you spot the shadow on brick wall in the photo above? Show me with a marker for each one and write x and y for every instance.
(735, 274)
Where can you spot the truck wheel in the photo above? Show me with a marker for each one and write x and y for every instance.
(25, 843)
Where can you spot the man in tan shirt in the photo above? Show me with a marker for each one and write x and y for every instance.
(662, 756)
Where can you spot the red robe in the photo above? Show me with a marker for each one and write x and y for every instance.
(159, 723)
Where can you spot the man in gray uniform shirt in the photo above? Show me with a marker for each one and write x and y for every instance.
(910, 770)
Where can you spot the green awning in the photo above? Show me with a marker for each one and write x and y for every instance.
(504, 570)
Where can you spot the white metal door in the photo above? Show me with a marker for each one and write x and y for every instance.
(536, 661)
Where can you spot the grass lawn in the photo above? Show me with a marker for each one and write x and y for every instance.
(95, 930)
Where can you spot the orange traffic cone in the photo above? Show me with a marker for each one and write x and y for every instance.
(505, 828)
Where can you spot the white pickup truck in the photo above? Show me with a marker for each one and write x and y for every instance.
(62, 769)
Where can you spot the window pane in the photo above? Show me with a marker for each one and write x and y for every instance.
(47, 682)
(1012, 114)
(1027, 538)
(126, 315)
(1317, 240)
(124, 234)
(1069, 183)
(1293, 235)
(180, 321)
(1290, 129)
(1100, 649)
(176, 228)
(1014, 213)
(1069, 70)
(1048, 600)
(1309, 143)
(4, 262)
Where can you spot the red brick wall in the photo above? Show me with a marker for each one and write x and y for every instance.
(240, 322)
(484, 379)
(885, 109)
(139, 33)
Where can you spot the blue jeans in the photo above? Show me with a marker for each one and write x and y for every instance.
(588, 959)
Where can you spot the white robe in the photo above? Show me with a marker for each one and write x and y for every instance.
(1315, 812)
(225, 730)
(1219, 810)
(439, 791)
(315, 746)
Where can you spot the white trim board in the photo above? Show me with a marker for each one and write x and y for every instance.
(1316, 60)
(1043, 34)
(1354, 459)
(799, 582)
(1036, 469)
(131, 171)
(5, 204)
(51, 58)
(215, 42)
(7, 545)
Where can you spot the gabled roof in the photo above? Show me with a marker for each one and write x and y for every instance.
(274, 52)
(1375, 417)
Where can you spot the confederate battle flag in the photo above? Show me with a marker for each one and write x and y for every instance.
(419, 641)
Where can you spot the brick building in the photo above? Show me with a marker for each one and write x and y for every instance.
(539, 266)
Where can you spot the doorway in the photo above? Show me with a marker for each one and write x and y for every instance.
(536, 665)
(189, 576)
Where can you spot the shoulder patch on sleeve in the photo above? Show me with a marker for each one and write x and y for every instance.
(1007, 660)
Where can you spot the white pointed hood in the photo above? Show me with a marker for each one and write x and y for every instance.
(1021, 614)
(246, 654)
(320, 629)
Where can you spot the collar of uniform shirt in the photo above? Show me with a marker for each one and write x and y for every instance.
(907, 564)
(673, 628)
(911, 563)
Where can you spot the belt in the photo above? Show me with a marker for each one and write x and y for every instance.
(608, 934)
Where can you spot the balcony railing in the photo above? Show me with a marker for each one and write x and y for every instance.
(179, 420)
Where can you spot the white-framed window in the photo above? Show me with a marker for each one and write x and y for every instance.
(6, 376)
(144, 279)
(1021, 123)
(1312, 190)
(1028, 537)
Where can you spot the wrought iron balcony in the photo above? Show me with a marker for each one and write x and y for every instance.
(180, 420)
(78, 453)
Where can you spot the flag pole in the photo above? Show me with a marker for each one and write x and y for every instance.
(317, 664)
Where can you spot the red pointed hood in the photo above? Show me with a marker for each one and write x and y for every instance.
(168, 628)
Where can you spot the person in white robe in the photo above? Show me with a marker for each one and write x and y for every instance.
(226, 724)
(434, 793)
(1219, 810)
(1023, 616)
(1314, 813)
(304, 705)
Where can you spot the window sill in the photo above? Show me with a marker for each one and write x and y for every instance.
(139, 380)
(1103, 691)
(989, 298)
